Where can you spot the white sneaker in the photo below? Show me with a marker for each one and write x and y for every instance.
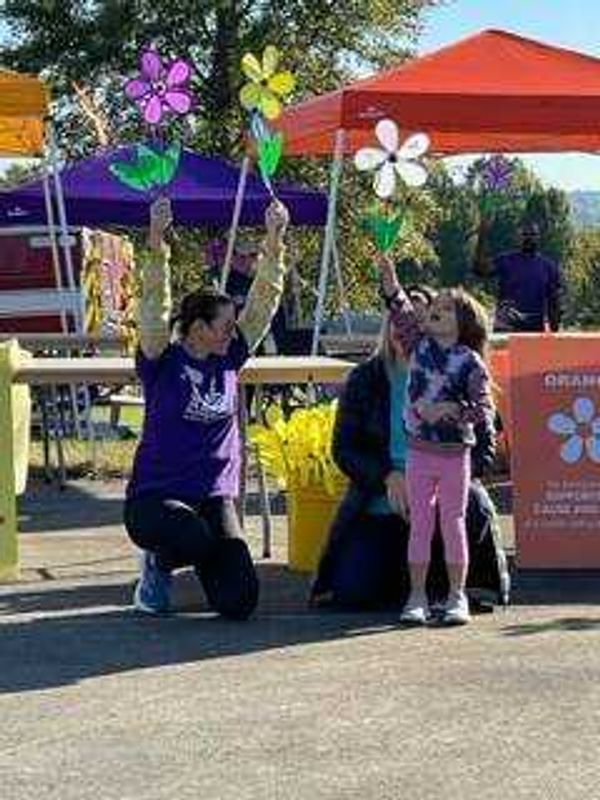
(456, 610)
(414, 612)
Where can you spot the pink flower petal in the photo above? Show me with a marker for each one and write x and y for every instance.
(178, 100)
(137, 88)
(152, 66)
(153, 110)
(179, 72)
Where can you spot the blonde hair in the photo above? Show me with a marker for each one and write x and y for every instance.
(384, 348)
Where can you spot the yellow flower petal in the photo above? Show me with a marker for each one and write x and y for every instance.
(251, 96)
(282, 83)
(269, 104)
(269, 61)
(251, 68)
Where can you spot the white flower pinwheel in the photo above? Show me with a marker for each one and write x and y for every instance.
(581, 430)
(393, 160)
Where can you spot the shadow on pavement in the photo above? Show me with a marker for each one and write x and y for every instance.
(45, 508)
(59, 637)
(561, 624)
(543, 587)
(86, 504)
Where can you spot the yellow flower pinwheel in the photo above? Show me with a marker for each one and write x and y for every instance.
(266, 87)
(297, 451)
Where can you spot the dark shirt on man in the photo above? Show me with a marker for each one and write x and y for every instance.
(529, 287)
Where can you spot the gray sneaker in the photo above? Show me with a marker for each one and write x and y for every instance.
(456, 610)
(152, 593)
(415, 611)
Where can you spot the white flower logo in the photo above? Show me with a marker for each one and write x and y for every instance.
(582, 430)
(393, 160)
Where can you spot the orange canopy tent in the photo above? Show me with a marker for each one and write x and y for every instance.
(492, 92)
(23, 110)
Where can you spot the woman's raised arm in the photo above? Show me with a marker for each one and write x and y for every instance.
(155, 303)
(267, 287)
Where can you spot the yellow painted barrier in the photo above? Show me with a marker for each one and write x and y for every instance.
(15, 415)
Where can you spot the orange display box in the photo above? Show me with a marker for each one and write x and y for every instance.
(499, 362)
(555, 452)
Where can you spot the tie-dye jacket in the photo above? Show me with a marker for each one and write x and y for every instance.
(454, 374)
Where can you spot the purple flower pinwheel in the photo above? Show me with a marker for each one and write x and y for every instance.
(161, 88)
(497, 174)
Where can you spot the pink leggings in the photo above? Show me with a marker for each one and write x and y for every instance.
(442, 479)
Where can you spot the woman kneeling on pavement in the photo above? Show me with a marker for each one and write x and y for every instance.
(364, 563)
(180, 499)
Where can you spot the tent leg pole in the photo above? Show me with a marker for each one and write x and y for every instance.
(235, 221)
(336, 171)
(341, 288)
(54, 244)
(62, 219)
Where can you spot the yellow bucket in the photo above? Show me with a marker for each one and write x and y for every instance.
(310, 513)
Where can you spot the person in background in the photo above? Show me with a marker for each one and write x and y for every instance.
(529, 284)
(179, 505)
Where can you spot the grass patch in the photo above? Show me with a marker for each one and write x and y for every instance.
(103, 459)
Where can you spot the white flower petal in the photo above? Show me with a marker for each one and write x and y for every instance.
(583, 409)
(592, 445)
(369, 158)
(385, 181)
(415, 146)
(411, 173)
(572, 449)
(562, 424)
(386, 131)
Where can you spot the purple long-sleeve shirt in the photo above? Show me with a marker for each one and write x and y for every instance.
(529, 285)
(441, 374)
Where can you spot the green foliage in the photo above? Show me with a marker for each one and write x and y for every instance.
(585, 208)
(18, 173)
(97, 45)
(582, 305)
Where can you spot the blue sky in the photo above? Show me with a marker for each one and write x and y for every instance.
(567, 23)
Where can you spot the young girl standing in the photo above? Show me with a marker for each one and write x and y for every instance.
(448, 392)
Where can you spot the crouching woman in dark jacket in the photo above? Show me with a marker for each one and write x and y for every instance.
(364, 562)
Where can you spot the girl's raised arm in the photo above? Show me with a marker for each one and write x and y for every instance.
(402, 313)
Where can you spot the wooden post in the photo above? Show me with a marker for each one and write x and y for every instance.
(13, 464)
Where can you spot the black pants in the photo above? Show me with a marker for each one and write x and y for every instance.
(206, 536)
(368, 567)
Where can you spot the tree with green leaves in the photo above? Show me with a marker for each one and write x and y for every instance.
(92, 45)
(85, 50)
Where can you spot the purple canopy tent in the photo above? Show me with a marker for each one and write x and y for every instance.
(203, 193)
